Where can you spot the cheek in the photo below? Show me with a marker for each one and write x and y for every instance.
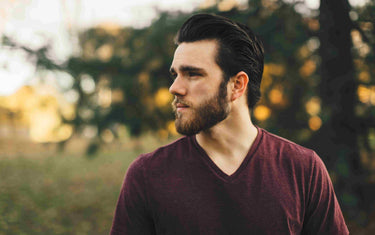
(203, 89)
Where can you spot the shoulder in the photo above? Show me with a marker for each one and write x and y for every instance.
(166, 154)
(286, 150)
(280, 144)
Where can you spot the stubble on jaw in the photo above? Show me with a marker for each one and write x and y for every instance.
(203, 117)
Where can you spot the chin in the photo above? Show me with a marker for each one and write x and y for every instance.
(186, 127)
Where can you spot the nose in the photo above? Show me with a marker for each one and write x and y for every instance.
(178, 88)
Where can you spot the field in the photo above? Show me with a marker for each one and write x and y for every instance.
(66, 193)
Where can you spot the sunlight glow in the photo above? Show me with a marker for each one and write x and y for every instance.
(163, 97)
(262, 112)
(315, 123)
(313, 106)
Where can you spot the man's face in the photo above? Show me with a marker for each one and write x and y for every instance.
(199, 88)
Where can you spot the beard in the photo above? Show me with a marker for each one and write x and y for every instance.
(205, 115)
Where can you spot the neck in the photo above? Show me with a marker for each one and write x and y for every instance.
(228, 142)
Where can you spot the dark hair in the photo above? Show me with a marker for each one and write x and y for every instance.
(239, 49)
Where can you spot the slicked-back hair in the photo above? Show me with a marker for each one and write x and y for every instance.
(238, 48)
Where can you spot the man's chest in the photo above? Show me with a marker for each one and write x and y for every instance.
(208, 205)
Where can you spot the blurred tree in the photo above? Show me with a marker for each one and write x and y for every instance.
(338, 86)
(37, 56)
(345, 123)
(130, 68)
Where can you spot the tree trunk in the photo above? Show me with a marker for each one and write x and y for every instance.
(337, 142)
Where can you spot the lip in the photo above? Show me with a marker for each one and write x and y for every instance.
(180, 107)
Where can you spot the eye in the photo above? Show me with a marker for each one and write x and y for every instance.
(194, 74)
(173, 76)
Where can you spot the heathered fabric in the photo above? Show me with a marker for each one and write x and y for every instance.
(280, 188)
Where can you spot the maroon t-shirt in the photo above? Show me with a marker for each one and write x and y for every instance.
(280, 188)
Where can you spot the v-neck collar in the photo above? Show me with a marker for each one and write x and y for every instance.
(216, 170)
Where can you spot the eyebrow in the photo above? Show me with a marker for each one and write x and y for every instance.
(188, 68)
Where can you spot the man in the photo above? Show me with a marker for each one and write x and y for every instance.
(226, 176)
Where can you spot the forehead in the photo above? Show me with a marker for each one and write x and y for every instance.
(200, 54)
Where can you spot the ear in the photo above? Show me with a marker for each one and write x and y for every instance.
(239, 85)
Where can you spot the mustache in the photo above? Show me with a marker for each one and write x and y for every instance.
(179, 101)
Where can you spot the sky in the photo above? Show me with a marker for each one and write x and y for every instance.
(30, 22)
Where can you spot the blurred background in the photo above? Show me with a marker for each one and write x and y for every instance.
(84, 90)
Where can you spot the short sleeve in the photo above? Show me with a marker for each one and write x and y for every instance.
(323, 213)
(132, 213)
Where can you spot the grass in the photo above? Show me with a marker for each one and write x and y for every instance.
(60, 194)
